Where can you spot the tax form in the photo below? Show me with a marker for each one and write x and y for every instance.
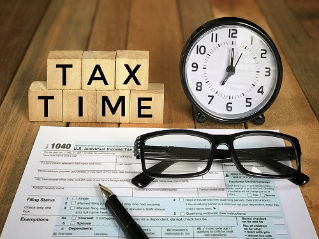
(59, 197)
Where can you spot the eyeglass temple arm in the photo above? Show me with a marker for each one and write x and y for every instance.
(142, 180)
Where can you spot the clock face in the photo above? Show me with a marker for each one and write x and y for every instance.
(231, 72)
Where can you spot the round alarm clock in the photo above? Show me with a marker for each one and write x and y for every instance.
(231, 71)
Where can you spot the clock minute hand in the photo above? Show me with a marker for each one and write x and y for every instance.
(230, 69)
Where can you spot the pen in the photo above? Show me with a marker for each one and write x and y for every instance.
(130, 228)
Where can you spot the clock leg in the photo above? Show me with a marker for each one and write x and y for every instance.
(259, 120)
(200, 117)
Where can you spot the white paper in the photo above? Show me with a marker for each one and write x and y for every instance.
(58, 195)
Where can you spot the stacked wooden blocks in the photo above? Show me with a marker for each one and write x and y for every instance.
(97, 86)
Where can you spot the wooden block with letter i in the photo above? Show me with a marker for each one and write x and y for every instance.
(44, 104)
(113, 106)
(79, 106)
(148, 106)
(98, 70)
(64, 70)
(132, 70)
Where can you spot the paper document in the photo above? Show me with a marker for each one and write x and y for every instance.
(59, 197)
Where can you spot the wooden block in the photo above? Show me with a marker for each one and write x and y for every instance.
(132, 70)
(79, 106)
(64, 70)
(44, 104)
(113, 106)
(98, 70)
(148, 106)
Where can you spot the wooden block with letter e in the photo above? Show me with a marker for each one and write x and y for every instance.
(44, 104)
(79, 106)
(148, 106)
(64, 70)
(113, 106)
(132, 70)
(98, 70)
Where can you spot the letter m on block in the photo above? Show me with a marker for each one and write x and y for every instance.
(120, 101)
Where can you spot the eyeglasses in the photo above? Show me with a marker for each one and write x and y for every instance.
(186, 153)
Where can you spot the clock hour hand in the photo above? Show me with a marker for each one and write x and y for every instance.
(231, 68)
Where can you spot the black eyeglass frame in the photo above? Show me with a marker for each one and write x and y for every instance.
(215, 140)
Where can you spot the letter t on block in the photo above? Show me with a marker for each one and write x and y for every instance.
(44, 104)
(64, 70)
(132, 70)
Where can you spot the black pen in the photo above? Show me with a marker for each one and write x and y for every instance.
(130, 228)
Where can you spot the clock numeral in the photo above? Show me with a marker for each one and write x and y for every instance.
(232, 33)
(229, 106)
(263, 53)
(200, 49)
(199, 86)
(214, 37)
(195, 66)
(211, 98)
(248, 102)
(267, 71)
(261, 90)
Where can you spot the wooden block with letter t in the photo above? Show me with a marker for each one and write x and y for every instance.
(44, 104)
(98, 70)
(132, 70)
(113, 106)
(79, 106)
(64, 70)
(148, 106)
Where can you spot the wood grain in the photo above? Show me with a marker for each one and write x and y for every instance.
(162, 37)
(16, 32)
(109, 33)
(16, 132)
(300, 50)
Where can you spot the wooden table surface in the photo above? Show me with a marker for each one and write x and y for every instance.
(30, 29)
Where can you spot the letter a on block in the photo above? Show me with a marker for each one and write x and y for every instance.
(44, 104)
(64, 70)
(132, 70)
(98, 70)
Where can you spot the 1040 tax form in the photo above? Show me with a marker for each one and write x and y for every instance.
(58, 196)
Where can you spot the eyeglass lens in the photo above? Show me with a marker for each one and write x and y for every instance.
(177, 154)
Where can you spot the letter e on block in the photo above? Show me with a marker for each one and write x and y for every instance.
(148, 106)
(132, 70)
(113, 106)
(79, 106)
(44, 104)
(64, 70)
(98, 70)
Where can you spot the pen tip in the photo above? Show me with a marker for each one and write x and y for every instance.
(106, 193)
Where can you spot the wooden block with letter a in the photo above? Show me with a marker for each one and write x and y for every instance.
(44, 104)
(113, 106)
(132, 70)
(148, 106)
(79, 106)
(64, 70)
(98, 70)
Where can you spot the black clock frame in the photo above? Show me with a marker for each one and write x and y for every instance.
(202, 114)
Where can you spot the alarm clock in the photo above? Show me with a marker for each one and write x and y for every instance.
(231, 71)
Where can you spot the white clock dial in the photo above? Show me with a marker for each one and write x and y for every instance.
(231, 71)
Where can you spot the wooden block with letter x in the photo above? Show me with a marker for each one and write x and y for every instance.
(132, 70)
(98, 70)
(79, 106)
(148, 106)
(64, 70)
(44, 104)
